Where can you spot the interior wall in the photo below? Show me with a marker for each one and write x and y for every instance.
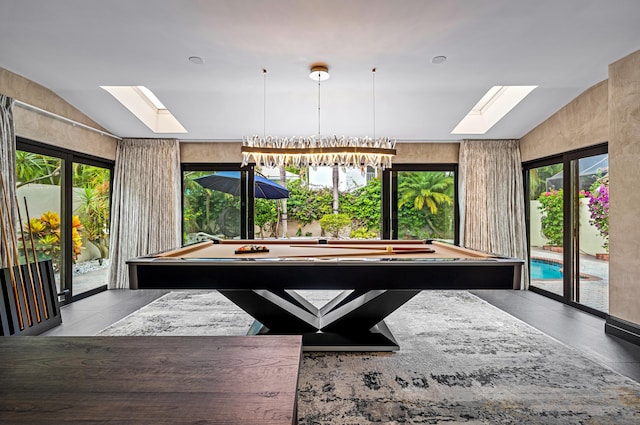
(46, 129)
(229, 152)
(624, 206)
(581, 123)
(608, 111)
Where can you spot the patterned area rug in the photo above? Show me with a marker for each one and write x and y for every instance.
(461, 361)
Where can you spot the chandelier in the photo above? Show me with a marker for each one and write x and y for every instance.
(317, 150)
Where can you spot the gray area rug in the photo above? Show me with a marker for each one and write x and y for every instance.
(461, 361)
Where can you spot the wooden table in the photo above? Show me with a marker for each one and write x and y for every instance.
(377, 276)
(149, 380)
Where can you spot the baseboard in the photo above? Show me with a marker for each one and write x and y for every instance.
(623, 329)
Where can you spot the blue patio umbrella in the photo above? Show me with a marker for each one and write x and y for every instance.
(229, 182)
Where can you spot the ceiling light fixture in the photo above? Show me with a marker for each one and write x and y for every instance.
(316, 150)
(319, 72)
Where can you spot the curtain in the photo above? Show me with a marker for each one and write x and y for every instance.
(8, 173)
(492, 214)
(146, 207)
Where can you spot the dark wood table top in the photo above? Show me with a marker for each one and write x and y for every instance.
(149, 380)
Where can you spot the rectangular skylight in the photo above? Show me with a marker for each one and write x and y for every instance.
(142, 103)
(494, 105)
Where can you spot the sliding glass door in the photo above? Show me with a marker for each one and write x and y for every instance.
(67, 196)
(546, 230)
(568, 213)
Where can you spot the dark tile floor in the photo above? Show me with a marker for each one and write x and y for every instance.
(577, 329)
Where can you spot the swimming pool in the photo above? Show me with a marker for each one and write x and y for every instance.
(544, 269)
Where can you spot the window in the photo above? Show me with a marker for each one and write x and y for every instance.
(423, 202)
(570, 191)
(67, 196)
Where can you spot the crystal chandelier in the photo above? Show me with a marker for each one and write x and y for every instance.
(317, 150)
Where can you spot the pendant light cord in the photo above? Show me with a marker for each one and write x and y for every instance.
(373, 73)
(264, 103)
(318, 105)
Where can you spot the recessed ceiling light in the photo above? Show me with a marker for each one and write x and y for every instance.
(146, 106)
(438, 59)
(490, 109)
(197, 60)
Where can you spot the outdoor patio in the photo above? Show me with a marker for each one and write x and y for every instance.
(594, 282)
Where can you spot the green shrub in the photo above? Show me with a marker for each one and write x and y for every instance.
(334, 223)
(551, 206)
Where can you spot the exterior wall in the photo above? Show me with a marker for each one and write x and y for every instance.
(43, 128)
(591, 242)
(583, 122)
(624, 155)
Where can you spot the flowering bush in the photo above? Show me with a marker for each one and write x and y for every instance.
(599, 209)
(551, 205)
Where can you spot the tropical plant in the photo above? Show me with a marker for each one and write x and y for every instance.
(334, 223)
(421, 195)
(94, 215)
(36, 168)
(46, 234)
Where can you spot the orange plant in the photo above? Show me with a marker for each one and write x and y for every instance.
(46, 233)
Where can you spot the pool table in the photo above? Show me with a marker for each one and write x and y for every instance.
(376, 277)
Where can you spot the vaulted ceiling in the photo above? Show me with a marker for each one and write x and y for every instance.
(74, 47)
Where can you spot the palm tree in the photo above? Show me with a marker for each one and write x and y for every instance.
(35, 168)
(426, 190)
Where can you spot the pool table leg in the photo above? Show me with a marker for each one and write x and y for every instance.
(352, 321)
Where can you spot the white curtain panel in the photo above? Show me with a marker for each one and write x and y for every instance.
(146, 208)
(492, 214)
(8, 172)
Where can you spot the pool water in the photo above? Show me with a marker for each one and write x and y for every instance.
(545, 270)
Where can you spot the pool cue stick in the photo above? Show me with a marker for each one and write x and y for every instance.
(363, 254)
(12, 275)
(16, 253)
(35, 260)
(371, 247)
(26, 259)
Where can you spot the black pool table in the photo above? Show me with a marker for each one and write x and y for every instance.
(376, 277)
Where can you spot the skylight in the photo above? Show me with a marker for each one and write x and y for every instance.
(142, 103)
(494, 105)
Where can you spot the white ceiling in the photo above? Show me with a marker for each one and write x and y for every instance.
(74, 46)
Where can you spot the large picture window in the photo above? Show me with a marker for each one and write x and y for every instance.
(424, 202)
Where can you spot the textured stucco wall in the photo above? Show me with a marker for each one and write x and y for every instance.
(581, 123)
(407, 153)
(43, 128)
(624, 179)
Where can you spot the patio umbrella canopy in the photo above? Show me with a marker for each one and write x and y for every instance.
(229, 182)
